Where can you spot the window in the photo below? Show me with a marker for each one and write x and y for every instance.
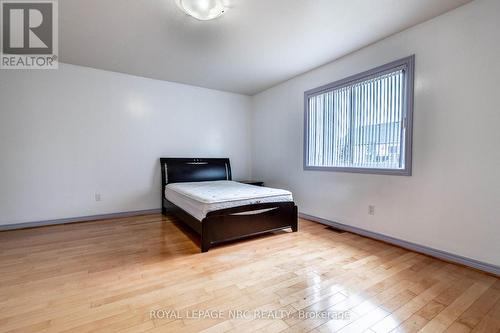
(362, 123)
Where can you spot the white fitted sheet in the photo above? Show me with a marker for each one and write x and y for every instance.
(199, 198)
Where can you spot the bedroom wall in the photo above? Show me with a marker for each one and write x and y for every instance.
(452, 201)
(69, 133)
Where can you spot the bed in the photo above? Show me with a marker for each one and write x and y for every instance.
(200, 193)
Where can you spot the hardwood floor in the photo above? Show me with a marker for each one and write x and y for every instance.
(123, 275)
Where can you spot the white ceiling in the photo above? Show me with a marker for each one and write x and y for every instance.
(253, 46)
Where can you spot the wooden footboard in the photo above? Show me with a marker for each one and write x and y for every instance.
(245, 221)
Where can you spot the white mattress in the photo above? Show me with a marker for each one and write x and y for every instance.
(199, 198)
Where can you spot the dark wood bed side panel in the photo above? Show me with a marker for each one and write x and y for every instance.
(185, 217)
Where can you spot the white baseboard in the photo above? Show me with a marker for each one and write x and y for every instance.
(482, 266)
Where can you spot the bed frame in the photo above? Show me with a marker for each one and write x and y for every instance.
(225, 224)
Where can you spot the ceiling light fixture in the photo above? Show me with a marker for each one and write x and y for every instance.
(203, 10)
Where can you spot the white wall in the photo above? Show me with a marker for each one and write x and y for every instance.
(452, 201)
(66, 134)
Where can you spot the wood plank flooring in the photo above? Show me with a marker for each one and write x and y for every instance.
(145, 274)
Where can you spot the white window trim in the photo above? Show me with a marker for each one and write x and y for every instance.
(409, 64)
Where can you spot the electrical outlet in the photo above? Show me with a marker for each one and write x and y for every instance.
(97, 196)
(371, 210)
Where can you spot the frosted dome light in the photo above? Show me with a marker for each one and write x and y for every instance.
(203, 10)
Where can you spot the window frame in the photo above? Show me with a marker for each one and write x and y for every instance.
(408, 63)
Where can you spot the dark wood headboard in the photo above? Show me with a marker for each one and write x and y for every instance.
(181, 170)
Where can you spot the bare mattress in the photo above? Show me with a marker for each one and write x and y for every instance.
(199, 198)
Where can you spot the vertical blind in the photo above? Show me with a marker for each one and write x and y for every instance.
(359, 125)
